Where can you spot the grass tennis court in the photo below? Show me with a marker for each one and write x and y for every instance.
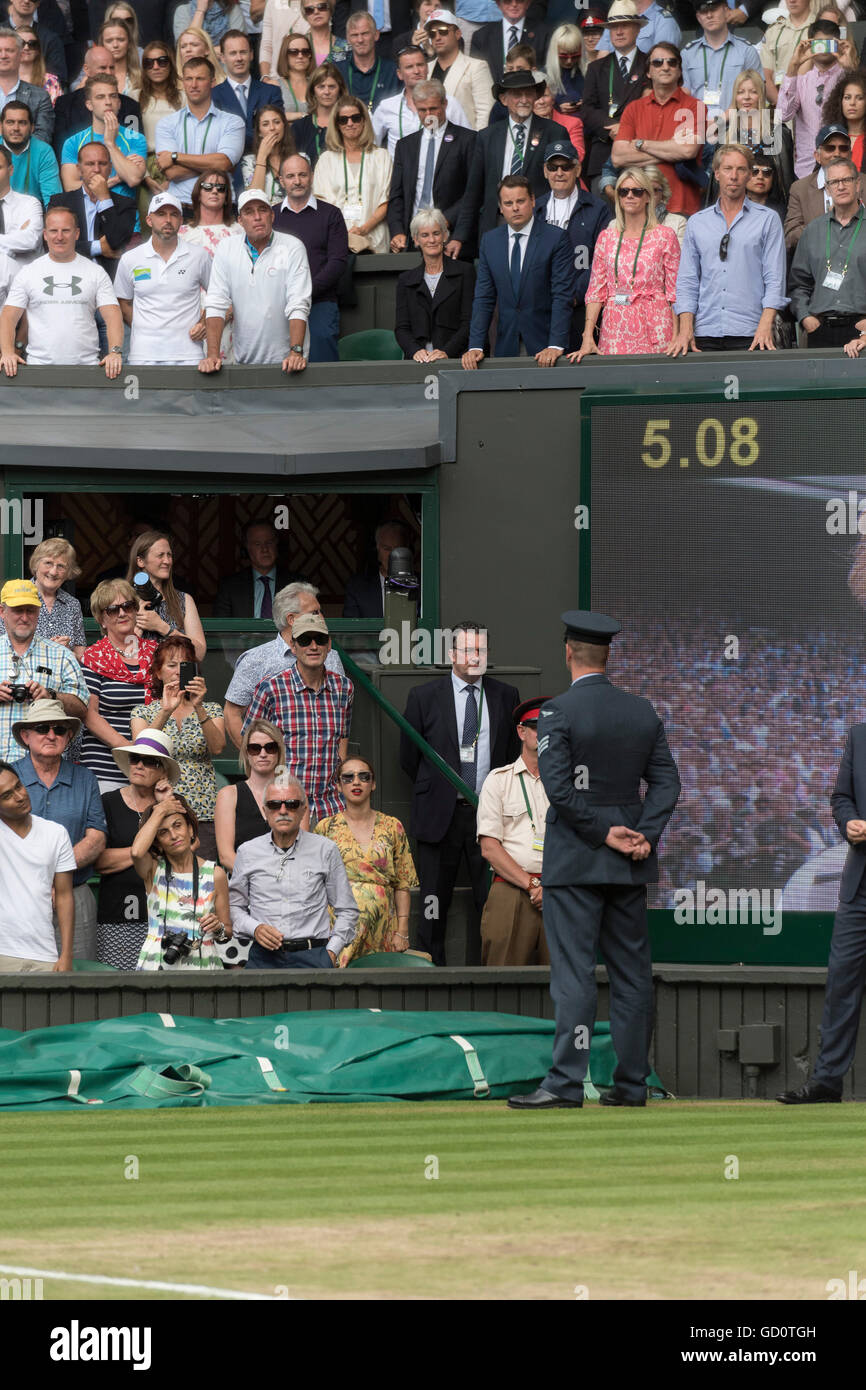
(332, 1200)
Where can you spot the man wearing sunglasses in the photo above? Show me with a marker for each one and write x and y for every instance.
(731, 280)
(313, 707)
(47, 670)
(810, 197)
(68, 794)
(466, 80)
(582, 216)
(11, 86)
(70, 111)
(241, 93)
(282, 886)
(828, 274)
(652, 129)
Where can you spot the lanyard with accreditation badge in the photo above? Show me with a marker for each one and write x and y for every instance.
(714, 97)
(537, 834)
(624, 296)
(833, 279)
(467, 752)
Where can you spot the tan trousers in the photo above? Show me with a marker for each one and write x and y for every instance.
(512, 930)
(17, 965)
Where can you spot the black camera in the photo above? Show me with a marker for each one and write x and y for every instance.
(176, 945)
(146, 591)
(20, 693)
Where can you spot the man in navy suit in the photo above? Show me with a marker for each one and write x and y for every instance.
(526, 267)
(582, 216)
(596, 744)
(845, 969)
(241, 93)
(493, 41)
(466, 717)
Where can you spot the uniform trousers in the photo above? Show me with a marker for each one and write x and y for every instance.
(580, 921)
(846, 975)
(438, 865)
(512, 930)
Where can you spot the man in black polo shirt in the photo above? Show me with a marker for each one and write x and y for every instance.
(322, 229)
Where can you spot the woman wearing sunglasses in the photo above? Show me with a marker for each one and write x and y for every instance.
(117, 672)
(160, 96)
(213, 219)
(295, 66)
(187, 897)
(31, 64)
(375, 851)
(327, 48)
(354, 174)
(239, 806)
(634, 277)
(121, 916)
(281, 17)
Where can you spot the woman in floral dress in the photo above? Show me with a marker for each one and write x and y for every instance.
(375, 851)
(634, 277)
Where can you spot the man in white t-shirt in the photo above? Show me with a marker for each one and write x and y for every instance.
(264, 277)
(61, 293)
(36, 857)
(159, 287)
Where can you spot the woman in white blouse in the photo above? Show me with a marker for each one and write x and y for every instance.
(354, 174)
(281, 17)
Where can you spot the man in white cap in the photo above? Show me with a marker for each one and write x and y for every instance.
(466, 80)
(264, 277)
(158, 286)
(68, 794)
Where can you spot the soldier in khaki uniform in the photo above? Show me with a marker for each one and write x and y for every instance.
(512, 809)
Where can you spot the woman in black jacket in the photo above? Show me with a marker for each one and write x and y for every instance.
(434, 301)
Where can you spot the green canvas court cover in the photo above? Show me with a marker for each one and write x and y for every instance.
(152, 1061)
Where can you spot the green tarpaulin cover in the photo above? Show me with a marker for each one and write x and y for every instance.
(167, 1060)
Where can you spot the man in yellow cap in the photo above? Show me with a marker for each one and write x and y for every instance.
(30, 667)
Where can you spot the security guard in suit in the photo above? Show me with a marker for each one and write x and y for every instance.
(596, 743)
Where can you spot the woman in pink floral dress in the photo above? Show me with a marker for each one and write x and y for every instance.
(634, 277)
(213, 217)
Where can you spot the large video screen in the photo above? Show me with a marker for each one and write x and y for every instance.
(726, 538)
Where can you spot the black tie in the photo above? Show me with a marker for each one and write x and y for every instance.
(470, 736)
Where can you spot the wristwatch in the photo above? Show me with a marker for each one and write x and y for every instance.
(638, 144)
(174, 156)
(297, 349)
(534, 882)
(117, 349)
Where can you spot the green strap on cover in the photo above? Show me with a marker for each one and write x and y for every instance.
(479, 1080)
(185, 1080)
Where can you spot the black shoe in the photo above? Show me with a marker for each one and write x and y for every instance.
(615, 1097)
(543, 1100)
(813, 1093)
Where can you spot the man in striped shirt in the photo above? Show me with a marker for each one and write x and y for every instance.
(313, 707)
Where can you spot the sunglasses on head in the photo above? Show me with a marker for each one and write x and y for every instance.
(306, 639)
(128, 606)
(355, 777)
(270, 747)
(664, 62)
(277, 805)
(355, 118)
(58, 729)
(161, 62)
(145, 759)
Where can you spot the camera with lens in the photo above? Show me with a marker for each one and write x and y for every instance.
(176, 945)
(146, 591)
(20, 692)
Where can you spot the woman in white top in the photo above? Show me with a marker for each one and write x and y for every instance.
(213, 218)
(160, 96)
(116, 36)
(273, 143)
(355, 174)
(281, 17)
(295, 66)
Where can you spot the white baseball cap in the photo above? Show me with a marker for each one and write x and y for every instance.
(441, 17)
(253, 195)
(165, 200)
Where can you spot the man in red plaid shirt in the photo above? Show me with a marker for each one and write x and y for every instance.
(313, 707)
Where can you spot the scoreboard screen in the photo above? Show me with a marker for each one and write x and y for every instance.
(729, 538)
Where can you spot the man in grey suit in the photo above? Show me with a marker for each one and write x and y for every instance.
(843, 996)
(596, 743)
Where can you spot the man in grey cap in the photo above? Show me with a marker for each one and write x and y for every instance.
(68, 794)
(596, 743)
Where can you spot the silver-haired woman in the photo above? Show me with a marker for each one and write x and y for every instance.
(434, 300)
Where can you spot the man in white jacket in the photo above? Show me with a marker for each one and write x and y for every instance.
(264, 278)
(467, 80)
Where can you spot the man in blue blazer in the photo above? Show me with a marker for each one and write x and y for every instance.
(526, 267)
(582, 216)
(237, 55)
(843, 996)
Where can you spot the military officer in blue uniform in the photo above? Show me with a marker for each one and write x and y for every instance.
(712, 63)
(595, 745)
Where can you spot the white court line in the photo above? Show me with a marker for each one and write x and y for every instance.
(158, 1284)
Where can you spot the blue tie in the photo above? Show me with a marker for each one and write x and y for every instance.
(379, 13)
(515, 264)
(470, 732)
(429, 167)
